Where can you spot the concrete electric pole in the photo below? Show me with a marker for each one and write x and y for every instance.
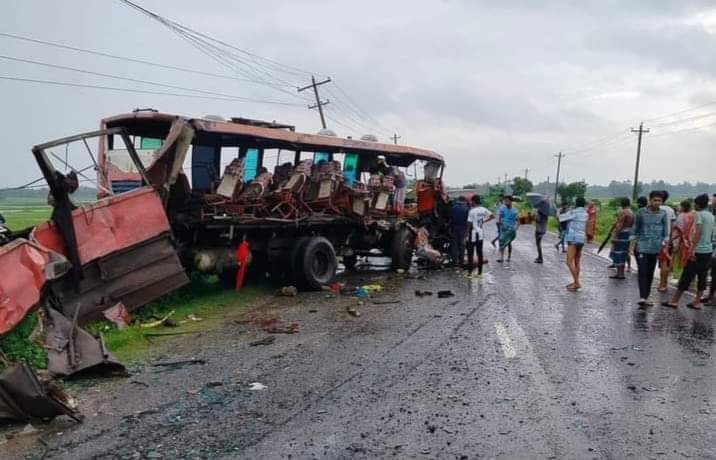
(641, 130)
(395, 138)
(556, 180)
(319, 104)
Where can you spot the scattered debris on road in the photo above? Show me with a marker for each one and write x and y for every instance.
(287, 291)
(268, 340)
(353, 311)
(256, 386)
(445, 294)
(178, 364)
(420, 293)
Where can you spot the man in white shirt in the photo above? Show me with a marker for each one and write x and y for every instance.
(476, 218)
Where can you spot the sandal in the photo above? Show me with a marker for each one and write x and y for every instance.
(662, 289)
(669, 304)
(617, 277)
(694, 305)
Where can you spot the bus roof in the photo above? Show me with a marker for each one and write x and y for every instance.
(227, 133)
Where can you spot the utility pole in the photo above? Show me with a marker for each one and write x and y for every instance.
(556, 181)
(395, 138)
(641, 130)
(526, 171)
(506, 179)
(319, 104)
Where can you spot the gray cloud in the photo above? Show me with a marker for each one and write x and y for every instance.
(495, 86)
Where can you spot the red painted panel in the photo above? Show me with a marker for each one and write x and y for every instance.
(21, 281)
(110, 224)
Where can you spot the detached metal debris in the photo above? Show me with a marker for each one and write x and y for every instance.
(24, 397)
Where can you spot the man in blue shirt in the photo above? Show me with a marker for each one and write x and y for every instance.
(651, 232)
(575, 237)
(458, 230)
(508, 227)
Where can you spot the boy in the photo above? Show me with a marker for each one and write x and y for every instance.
(475, 220)
(508, 227)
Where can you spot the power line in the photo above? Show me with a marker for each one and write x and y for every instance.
(163, 20)
(128, 59)
(140, 91)
(136, 80)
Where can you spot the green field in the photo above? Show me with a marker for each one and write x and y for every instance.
(23, 213)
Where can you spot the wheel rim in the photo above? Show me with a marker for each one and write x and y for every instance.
(320, 264)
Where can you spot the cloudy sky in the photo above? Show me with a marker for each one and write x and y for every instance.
(496, 87)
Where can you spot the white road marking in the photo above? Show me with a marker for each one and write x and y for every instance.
(505, 341)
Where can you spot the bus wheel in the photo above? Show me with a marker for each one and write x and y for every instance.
(401, 248)
(317, 263)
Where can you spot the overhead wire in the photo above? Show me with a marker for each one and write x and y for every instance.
(137, 80)
(140, 91)
(126, 58)
(262, 69)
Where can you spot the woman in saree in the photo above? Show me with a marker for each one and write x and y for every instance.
(591, 221)
(622, 235)
(682, 237)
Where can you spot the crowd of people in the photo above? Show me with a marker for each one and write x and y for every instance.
(654, 235)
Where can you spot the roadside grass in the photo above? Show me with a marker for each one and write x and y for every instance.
(204, 298)
(19, 346)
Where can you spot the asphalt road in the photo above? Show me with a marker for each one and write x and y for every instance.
(513, 366)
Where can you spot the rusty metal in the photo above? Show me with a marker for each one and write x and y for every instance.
(24, 397)
(154, 124)
(134, 276)
(71, 350)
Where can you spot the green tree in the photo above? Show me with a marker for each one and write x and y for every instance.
(568, 192)
(520, 186)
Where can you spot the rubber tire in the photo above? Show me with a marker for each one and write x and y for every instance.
(317, 264)
(350, 262)
(401, 248)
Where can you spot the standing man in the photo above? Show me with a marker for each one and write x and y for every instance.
(475, 220)
(575, 238)
(542, 212)
(699, 257)
(563, 210)
(622, 236)
(458, 228)
(711, 298)
(498, 207)
(509, 223)
(651, 232)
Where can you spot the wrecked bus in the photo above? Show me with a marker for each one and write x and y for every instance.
(300, 201)
(178, 194)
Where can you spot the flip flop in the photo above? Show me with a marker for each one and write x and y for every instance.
(663, 289)
(572, 288)
(694, 306)
(617, 277)
(669, 304)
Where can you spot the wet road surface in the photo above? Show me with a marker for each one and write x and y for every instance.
(513, 366)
